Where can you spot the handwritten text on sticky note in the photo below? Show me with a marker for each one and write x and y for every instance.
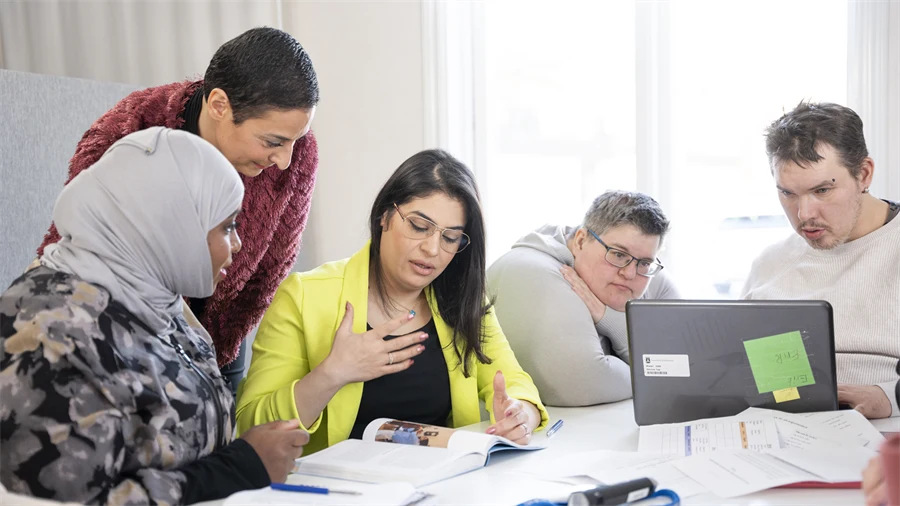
(779, 362)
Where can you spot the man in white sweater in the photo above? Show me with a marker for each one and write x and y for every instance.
(846, 250)
(561, 292)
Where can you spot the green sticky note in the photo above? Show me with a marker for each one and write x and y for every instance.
(779, 362)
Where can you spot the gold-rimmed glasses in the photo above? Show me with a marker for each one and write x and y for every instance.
(417, 227)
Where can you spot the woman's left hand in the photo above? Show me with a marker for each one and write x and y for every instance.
(514, 419)
(595, 307)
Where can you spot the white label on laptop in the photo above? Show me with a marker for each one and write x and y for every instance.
(667, 365)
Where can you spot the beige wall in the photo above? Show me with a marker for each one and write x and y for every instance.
(368, 56)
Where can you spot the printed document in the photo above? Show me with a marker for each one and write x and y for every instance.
(709, 435)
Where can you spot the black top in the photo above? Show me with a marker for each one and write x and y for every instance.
(226, 471)
(418, 394)
(191, 113)
(191, 124)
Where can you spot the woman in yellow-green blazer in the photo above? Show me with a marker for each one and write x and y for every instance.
(326, 350)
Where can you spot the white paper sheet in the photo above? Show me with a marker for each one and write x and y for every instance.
(799, 431)
(607, 466)
(851, 423)
(709, 435)
(740, 472)
(658, 467)
(385, 494)
(833, 465)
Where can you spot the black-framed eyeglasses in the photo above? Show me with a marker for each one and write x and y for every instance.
(619, 258)
(417, 227)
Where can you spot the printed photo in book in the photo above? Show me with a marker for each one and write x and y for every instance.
(410, 433)
(395, 450)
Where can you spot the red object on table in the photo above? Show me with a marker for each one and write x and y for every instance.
(822, 484)
(890, 460)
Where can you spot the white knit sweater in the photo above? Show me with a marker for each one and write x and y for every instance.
(861, 281)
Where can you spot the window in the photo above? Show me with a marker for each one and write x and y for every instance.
(736, 67)
(559, 112)
(561, 118)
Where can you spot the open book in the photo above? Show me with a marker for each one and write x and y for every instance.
(393, 450)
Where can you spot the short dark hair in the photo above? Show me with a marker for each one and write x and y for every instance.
(795, 136)
(261, 69)
(617, 208)
(460, 290)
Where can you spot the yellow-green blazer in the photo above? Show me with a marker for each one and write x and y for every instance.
(296, 335)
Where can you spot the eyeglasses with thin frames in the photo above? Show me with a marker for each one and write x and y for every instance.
(417, 227)
(621, 259)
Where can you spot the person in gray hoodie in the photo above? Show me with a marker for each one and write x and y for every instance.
(561, 293)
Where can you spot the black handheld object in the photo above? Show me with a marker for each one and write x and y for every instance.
(620, 493)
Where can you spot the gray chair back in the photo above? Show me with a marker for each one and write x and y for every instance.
(43, 119)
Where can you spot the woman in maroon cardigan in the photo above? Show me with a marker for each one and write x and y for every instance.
(255, 104)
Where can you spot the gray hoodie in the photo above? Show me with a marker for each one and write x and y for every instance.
(572, 361)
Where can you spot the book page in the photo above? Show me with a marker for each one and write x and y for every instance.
(375, 462)
(385, 430)
(352, 452)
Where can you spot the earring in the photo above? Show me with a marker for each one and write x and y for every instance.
(866, 190)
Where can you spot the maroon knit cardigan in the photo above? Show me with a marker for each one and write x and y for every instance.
(273, 216)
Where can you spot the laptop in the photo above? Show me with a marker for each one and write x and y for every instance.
(696, 359)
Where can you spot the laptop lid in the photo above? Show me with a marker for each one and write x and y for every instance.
(702, 359)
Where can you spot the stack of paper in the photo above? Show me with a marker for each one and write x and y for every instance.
(761, 448)
(738, 472)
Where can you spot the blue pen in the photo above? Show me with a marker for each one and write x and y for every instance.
(311, 490)
(556, 426)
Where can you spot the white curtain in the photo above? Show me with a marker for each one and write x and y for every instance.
(140, 42)
(873, 86)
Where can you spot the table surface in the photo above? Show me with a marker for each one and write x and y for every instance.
(506, 481)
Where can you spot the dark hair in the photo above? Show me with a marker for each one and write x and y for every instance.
(616, 208)
(795, 136)
(261, 69)
(460, 290)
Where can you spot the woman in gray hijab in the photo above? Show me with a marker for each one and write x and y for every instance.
(109, 394)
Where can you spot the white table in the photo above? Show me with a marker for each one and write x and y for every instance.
(607, 427)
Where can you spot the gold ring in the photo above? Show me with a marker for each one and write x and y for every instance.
(391, 358)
